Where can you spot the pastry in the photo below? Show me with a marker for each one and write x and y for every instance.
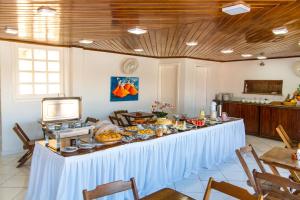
(146, 132)
(108, 136)
(131, 128)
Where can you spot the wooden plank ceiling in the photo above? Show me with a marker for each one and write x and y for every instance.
(170, 24)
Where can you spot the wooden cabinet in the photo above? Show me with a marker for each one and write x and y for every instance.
(250, 114)
(288, 118)
(265, 123)
(262, 120)
(233, 109)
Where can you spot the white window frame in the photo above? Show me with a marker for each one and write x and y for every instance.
(20, 97)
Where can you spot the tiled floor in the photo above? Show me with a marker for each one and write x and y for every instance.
(13, 181)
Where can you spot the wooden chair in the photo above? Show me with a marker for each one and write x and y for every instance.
(119, 115)
(91, 119)
(290, 145)
(111, 188)
(285, 138)
(278, 192)
(240, 154)
(116, 121)
(229, 189)
(27, 144)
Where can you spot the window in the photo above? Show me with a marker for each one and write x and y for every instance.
(39, 72)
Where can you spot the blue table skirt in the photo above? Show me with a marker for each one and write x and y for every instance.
(154, 163)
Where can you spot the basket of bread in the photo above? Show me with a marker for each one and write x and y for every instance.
(109, 137)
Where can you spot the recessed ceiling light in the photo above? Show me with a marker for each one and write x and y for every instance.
(84, 41)
(236, 8)
(11, 31)
(138, 50)
(193, 43)
(280, 31)
(137, 31)
(261, 57)
(299, 43)
(227, 51)
(46, 11)
(246, 55)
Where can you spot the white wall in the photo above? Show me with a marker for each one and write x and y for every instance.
(87, 74)
(186, 81)
(91, 79)
(233, 74)
(25, 112)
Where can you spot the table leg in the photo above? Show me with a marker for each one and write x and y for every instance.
(274, 170)
(295, 176)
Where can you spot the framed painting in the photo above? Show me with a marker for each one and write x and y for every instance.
(124, 88)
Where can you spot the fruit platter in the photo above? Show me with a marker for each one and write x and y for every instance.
(197, 122)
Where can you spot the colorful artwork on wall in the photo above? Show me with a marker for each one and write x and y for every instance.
(124, 88)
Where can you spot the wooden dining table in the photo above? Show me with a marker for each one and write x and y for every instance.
(167, 194)
(282, 158)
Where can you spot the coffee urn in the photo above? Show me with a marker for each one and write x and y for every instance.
(219, 109)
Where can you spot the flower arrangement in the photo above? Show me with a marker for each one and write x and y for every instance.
(159, 108)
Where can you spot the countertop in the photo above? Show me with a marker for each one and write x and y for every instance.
(265, 105)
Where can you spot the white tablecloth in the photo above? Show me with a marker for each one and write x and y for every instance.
(154, 163)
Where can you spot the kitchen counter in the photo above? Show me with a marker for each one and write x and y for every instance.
(267, 105)
(262, 119)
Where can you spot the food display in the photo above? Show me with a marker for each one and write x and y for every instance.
(146, 132)
(131, 128)
(127, 133)
(297, 93)
(108, 136)
(164, 121)
(197, 122)
(181, 126)
(140, 121)
(292, 102)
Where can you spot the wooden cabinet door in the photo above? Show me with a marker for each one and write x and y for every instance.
(265, 122)
(288, 119)
(271, 117)
(250, 114)
(234, 110)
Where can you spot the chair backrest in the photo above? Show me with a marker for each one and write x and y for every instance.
(118, 114)
(22, 135)
(111, 188)
(240, 154)
(229, 189)
(116, 121)
(278, 184)
(284, 136)
(91, 119)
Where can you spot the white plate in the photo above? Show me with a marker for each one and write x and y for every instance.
(69, 149)
(86, 146)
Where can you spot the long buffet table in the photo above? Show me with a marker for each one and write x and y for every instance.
(154, 163)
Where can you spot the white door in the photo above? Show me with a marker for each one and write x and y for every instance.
(195, 90)
(200, 87)
(169, 85)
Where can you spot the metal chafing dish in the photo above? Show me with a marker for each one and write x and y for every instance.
(61, 117)
(60, 109)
